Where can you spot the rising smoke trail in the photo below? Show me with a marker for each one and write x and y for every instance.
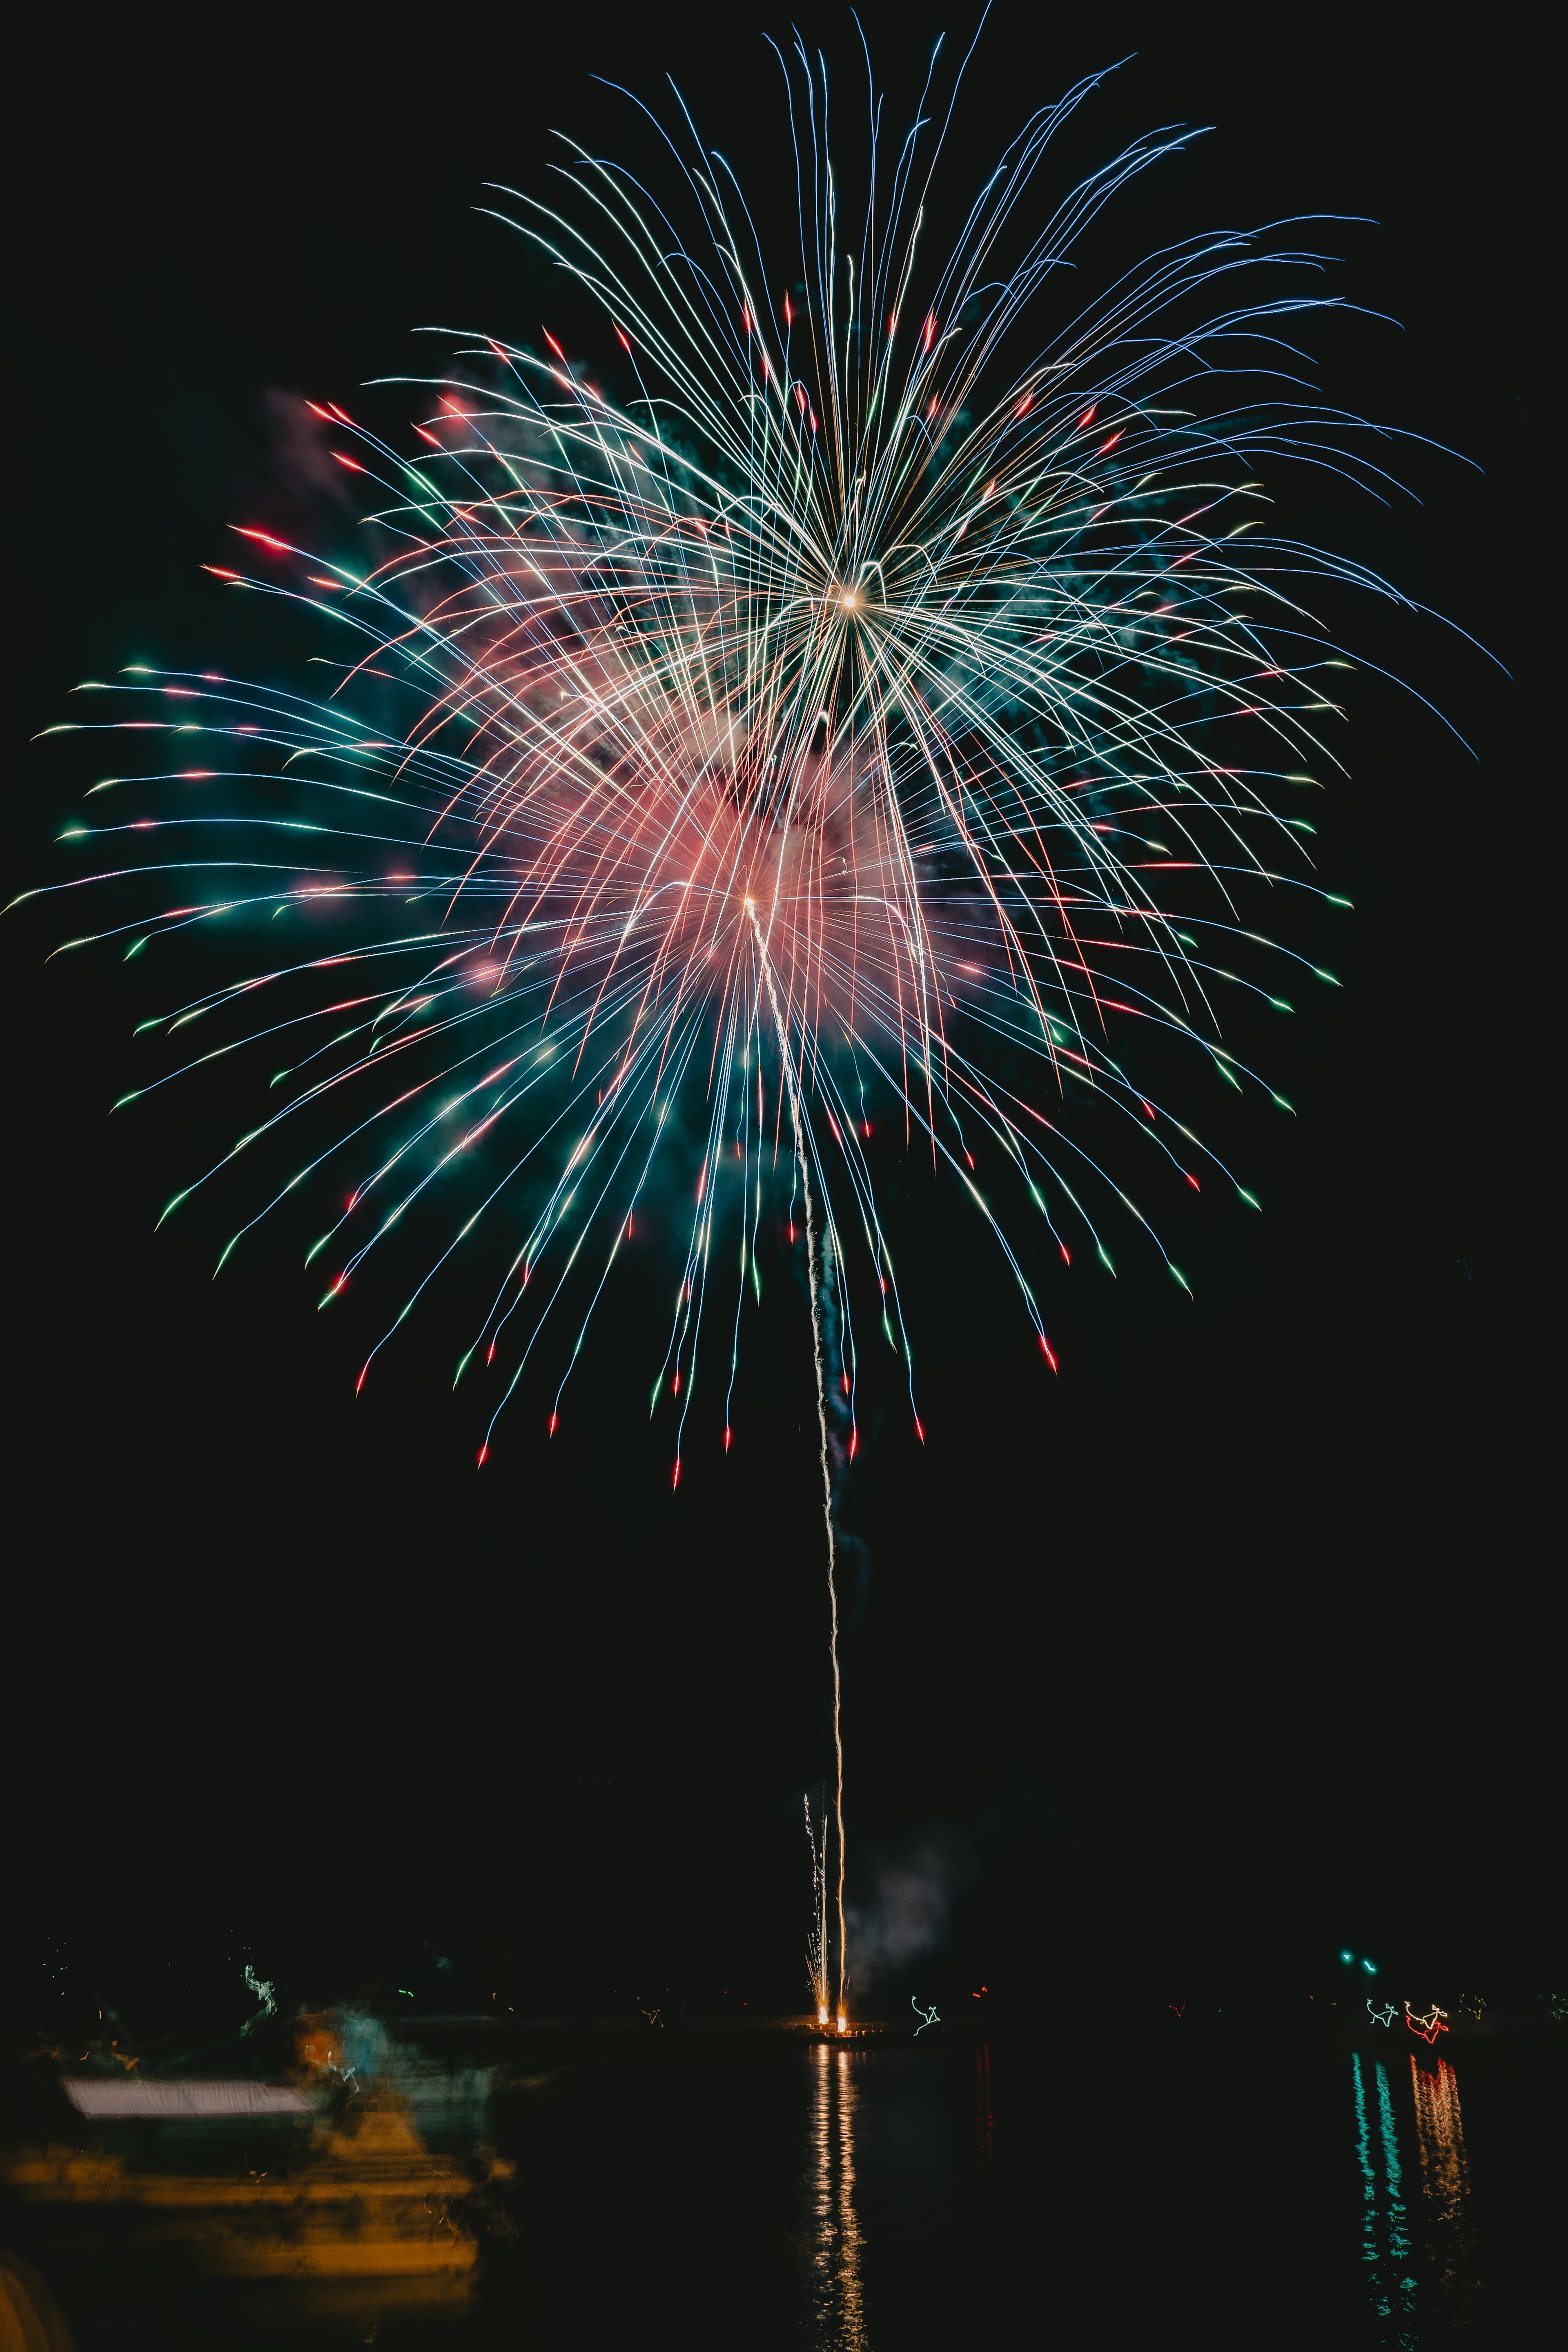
(811, 1254)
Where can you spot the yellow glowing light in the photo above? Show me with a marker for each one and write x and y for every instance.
(843, 2020)
(822, 2014)
(849, 600)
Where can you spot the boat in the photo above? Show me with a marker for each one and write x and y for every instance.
(321, 2181)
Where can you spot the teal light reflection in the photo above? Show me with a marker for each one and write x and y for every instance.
(1386, 2235)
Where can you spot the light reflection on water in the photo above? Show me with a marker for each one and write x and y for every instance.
(1386, 2235)
(1445, 2192)
(1444, 2227)
(904, 2196)
(833, 2227)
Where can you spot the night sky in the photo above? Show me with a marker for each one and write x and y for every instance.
(1232, 1642)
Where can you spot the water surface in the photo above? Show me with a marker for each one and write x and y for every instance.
(757, 2190)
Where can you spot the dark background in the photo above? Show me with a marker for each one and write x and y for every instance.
(1234, 1642)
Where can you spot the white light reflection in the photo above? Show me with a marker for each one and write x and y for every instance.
(833, 2234)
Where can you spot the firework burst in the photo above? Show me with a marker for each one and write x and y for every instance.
(872, 701)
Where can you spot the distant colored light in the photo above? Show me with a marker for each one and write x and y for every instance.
(1427, 2027)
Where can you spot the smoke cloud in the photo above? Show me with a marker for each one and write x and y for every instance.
(909, 1914)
